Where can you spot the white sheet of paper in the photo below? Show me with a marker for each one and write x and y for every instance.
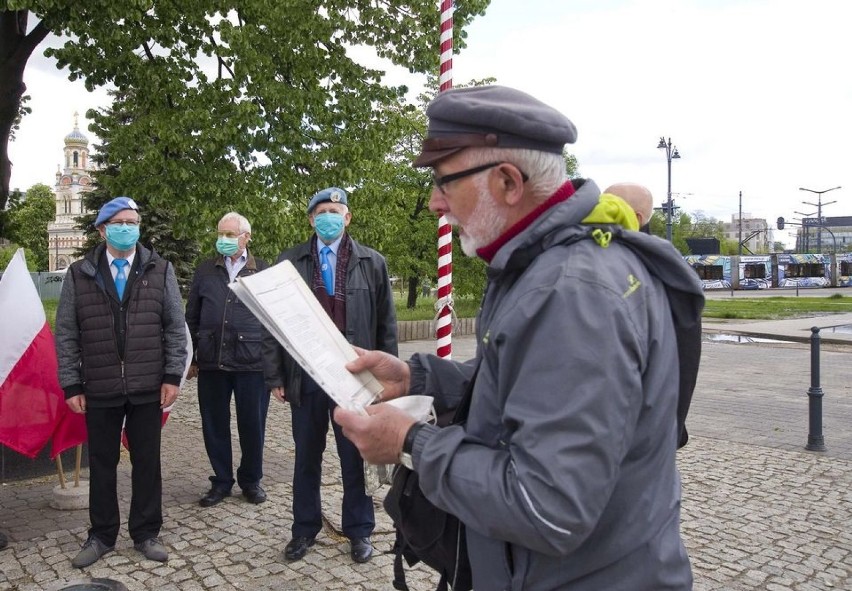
(285, 305)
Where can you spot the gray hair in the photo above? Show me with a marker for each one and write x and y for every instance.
(546, 171)
(244, 224)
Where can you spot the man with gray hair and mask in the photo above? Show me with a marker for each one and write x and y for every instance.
(564, 474)
(228, 361)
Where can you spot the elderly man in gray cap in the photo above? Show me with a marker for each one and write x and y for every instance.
(564, 473)
(351, 282)
(121, 345)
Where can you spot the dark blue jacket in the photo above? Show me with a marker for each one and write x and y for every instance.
(225, 334)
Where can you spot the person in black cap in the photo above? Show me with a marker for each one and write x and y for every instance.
(564, 473)
(351, 282)
(121, 346)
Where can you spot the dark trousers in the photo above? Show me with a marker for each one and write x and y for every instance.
(310, 426)
(251, 399)
(143, 427)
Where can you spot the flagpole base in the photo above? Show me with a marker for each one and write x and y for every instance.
(71, 497)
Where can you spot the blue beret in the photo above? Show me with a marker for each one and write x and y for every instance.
(492, 116)
(113, 207)
(332, 194)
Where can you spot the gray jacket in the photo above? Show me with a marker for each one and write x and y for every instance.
(370, 314)
(564, 473)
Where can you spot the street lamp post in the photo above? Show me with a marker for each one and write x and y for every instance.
(819, 205)
(671, 153)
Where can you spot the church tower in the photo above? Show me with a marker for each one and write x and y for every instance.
(64, 238)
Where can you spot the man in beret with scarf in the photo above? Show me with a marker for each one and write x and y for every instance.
(351, 282)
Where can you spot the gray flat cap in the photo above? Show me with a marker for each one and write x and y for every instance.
(492, 116)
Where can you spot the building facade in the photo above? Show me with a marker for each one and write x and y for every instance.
(72, 182)
(833, 235)
(757, 235)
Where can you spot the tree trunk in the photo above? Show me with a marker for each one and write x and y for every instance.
(16, 47)
(412, 292)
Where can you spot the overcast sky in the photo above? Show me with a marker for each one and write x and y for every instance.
(755, 94)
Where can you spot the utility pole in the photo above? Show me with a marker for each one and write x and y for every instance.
(819, 205)
(740, 247)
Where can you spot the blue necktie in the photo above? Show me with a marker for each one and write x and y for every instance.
(325, 269)
(120, 277)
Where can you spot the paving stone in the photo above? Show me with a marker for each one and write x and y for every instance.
(759, 513)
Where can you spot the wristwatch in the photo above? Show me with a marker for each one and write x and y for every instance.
(408, 445)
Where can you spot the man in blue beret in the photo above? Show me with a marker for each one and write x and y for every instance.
(564, 474)
(121, 345)
(351, 282)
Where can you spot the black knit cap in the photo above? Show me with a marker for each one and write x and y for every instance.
(492, 116)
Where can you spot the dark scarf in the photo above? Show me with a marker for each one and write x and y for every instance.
(334, 306)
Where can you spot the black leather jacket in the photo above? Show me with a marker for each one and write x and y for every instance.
(225, 334)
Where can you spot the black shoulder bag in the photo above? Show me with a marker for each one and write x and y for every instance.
(425, 533)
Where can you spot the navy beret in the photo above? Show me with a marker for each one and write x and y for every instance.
(332, 194)
(111, 208)
(492, 116)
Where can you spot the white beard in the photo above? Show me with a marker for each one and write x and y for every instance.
(485, 224)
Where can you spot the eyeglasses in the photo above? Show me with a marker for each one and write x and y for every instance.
(122, 223)
(229, 234)
(440, 181)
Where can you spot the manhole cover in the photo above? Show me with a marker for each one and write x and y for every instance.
(96, 585)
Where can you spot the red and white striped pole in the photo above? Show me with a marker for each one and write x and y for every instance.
(444, 305)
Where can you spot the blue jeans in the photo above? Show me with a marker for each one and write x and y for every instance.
(251, 399)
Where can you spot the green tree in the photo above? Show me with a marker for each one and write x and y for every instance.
(8, 251)
(245, 103)
(28, 220)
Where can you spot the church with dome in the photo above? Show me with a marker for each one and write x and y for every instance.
(72, 182)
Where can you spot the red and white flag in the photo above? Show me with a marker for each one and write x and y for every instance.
(32, 405)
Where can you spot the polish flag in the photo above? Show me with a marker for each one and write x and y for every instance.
(32, 405)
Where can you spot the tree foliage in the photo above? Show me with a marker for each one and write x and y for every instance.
(249, 105)
(27, 223)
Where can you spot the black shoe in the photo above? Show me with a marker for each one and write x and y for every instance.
(254, 494)
(297, 548)
(214, 496)
(362, 549)
(4, 541)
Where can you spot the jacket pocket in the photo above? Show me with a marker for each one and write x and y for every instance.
(247, 348)
(206, 352)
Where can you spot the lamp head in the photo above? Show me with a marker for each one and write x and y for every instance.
(662, 144)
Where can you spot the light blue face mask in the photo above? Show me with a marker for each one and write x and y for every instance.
(122, 236)
(227, 246)
(329, 226)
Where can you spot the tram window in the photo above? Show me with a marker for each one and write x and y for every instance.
(755, 271)
(805, 270)
(712, 272)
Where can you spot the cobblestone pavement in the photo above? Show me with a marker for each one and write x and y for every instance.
(759, 512)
